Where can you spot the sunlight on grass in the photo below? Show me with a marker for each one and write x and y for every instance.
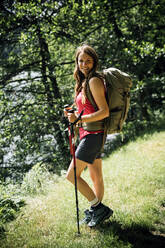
(135, 178)
(134, 188)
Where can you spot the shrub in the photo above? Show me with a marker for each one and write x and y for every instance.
(37, 180)
(9, 207)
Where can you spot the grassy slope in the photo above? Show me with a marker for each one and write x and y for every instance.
(134, 188)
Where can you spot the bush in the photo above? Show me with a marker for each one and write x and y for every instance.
(10, 205)
(37, 180)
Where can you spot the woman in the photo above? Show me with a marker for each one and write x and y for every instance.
(88, 152)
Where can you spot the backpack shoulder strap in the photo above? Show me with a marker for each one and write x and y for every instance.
(90, 96)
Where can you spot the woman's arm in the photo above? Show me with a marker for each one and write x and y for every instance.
(98, 93)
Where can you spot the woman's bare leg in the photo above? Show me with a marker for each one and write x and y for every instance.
(82, 186)
(96, 175)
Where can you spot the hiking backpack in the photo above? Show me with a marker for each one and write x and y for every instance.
(117, 85)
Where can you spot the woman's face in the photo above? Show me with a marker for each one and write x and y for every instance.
(85, 63)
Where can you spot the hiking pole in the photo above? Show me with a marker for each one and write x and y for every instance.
(72, 151)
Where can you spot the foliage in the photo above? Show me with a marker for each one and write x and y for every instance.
(10, 205)
(8, 208)
(37, 44)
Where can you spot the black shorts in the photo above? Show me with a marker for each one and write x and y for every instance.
(90, 148)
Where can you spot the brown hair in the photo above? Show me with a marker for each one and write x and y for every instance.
(81, 80)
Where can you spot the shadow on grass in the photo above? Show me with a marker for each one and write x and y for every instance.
(137, 236)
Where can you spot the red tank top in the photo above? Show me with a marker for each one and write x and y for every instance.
(88, 109)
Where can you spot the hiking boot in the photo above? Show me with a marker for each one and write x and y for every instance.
(88, 217)
(99, 215)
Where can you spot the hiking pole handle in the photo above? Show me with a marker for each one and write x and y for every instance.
(74, 123)
(67, 108)
(70, 110)
(71, 124)
(78, 118)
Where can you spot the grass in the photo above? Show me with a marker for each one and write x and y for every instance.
(134, 188)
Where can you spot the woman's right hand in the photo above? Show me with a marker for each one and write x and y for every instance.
(65, 113)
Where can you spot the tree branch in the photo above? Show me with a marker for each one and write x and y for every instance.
(7, 77)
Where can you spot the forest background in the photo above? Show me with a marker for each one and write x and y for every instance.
(38, 40)
(37, 46)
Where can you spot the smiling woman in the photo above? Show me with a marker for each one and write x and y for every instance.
(88, 153)
(85, 63)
